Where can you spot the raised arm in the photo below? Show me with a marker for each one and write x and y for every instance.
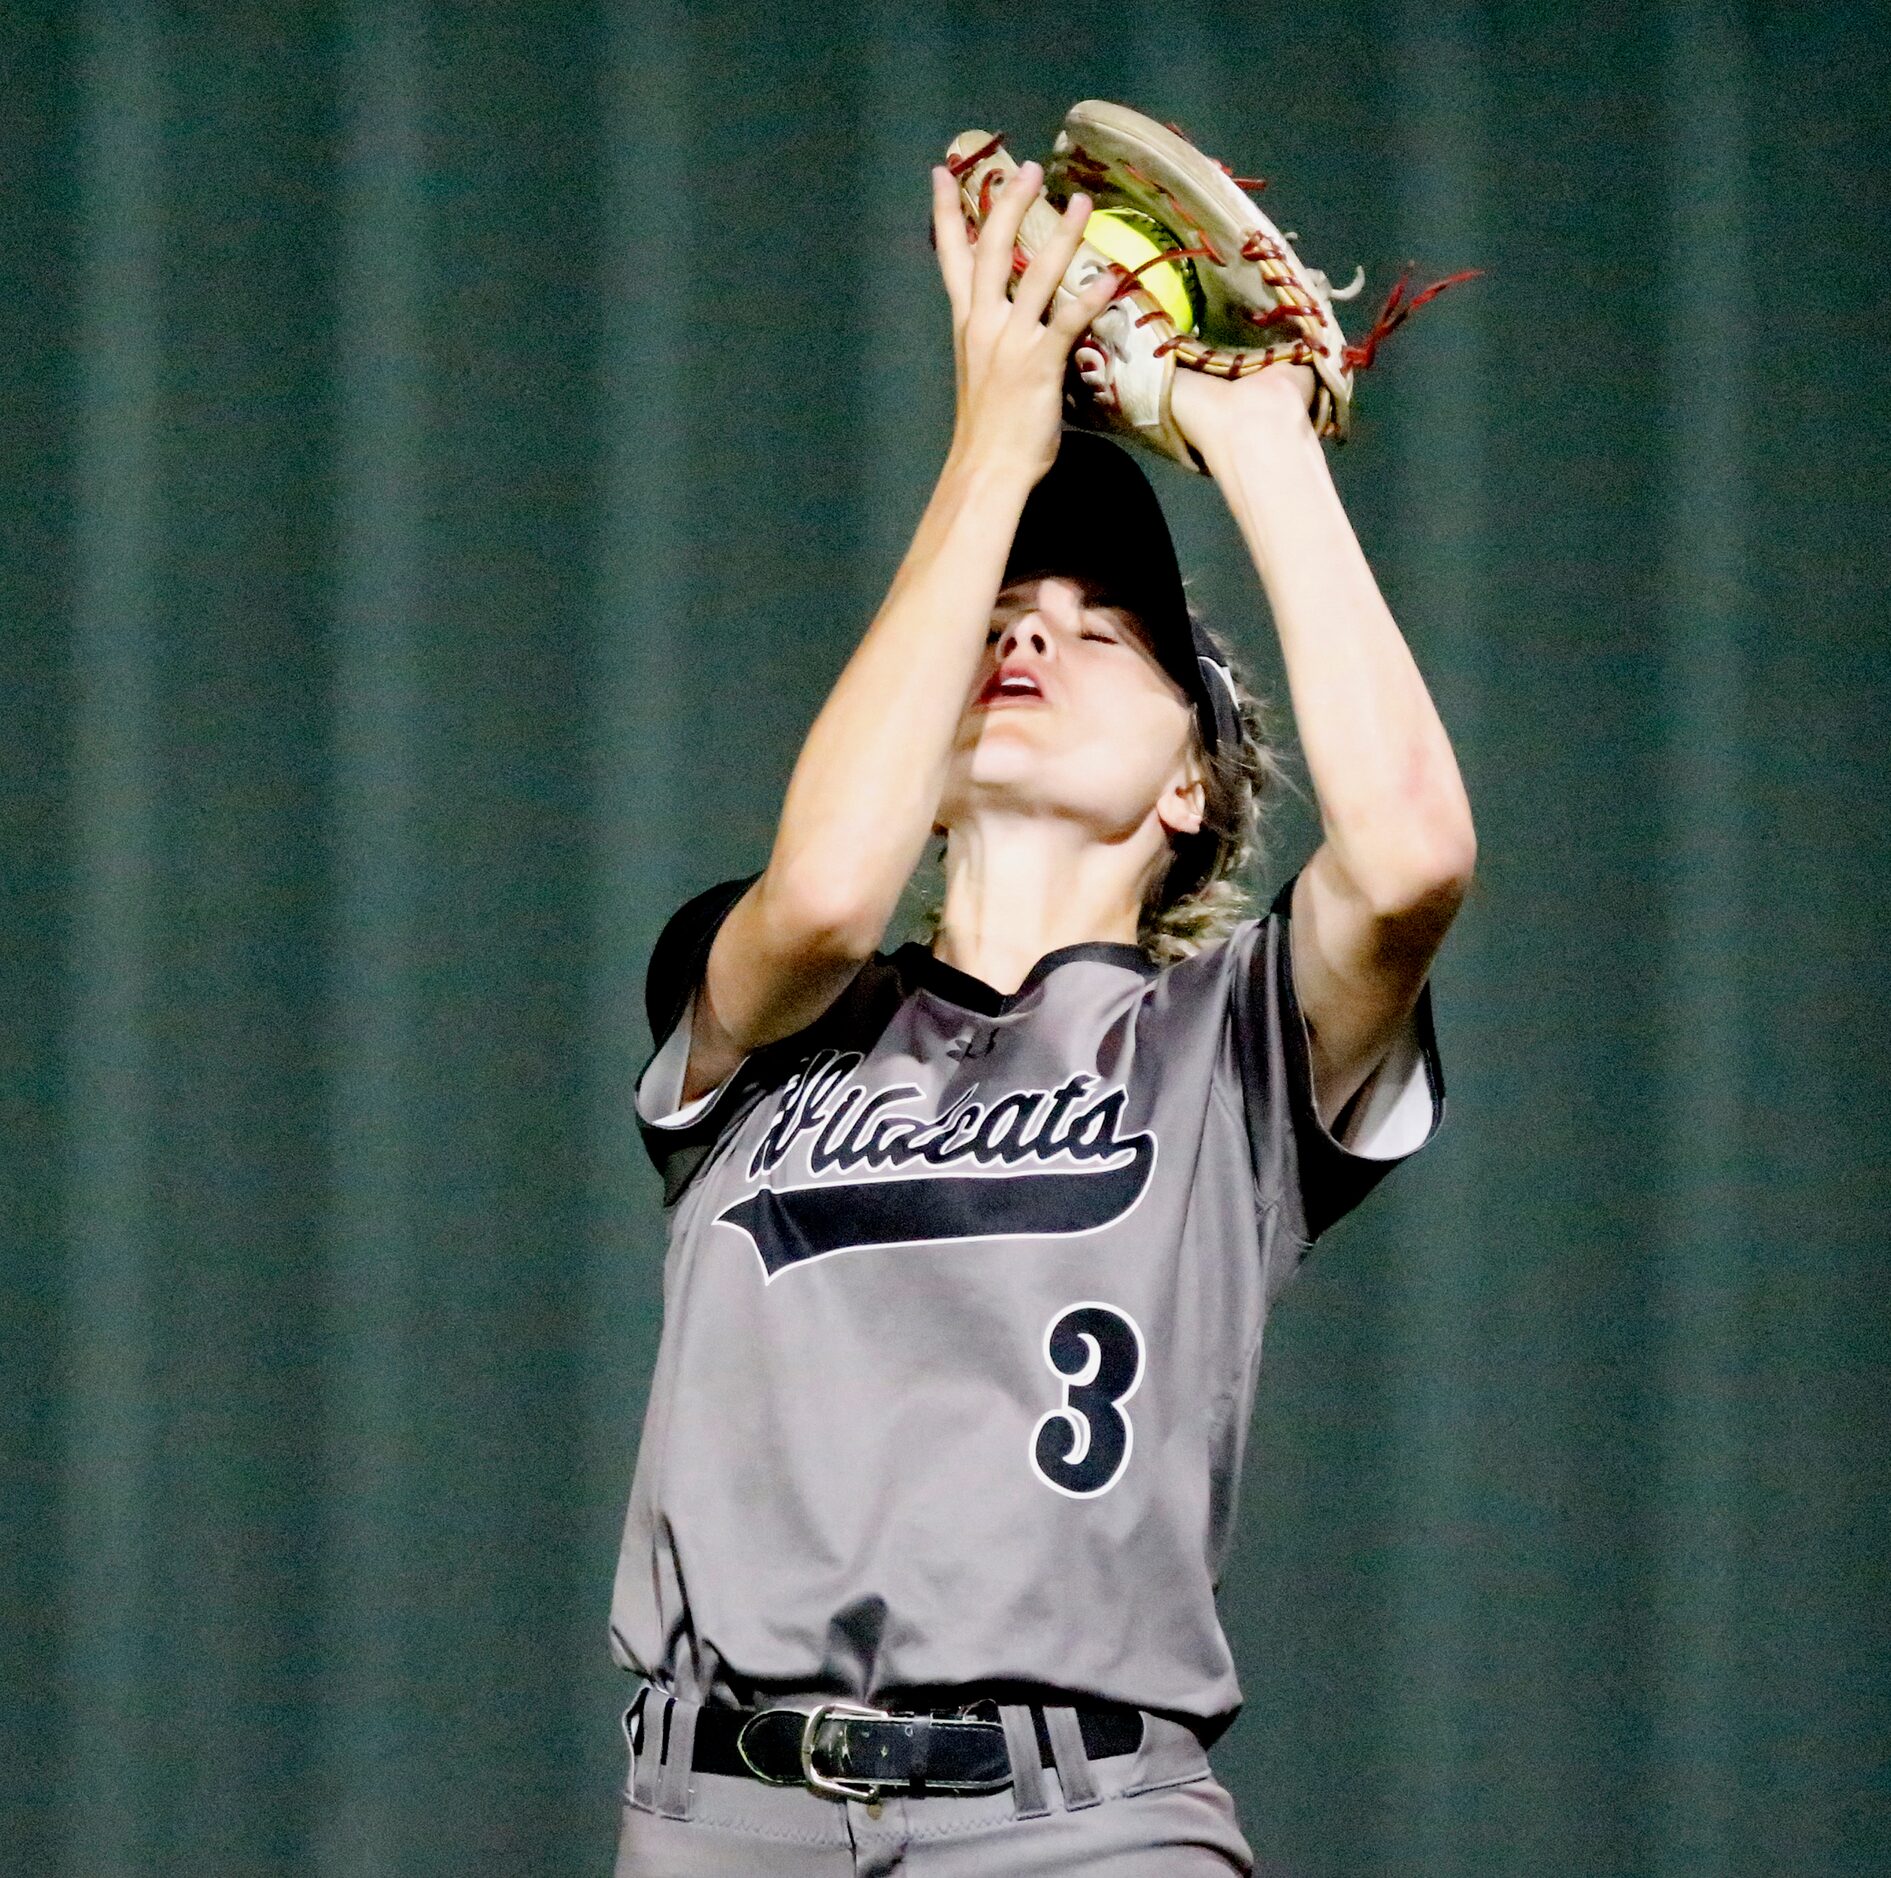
(865, 790)
(1373, 904)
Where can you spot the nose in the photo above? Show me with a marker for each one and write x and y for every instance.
(1055, 601)
(1027, 633)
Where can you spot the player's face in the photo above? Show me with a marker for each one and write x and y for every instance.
(1071, 714)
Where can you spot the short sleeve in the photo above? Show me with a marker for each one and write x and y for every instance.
(679, 1136)
(1315, 1174)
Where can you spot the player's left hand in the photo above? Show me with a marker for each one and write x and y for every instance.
(1213, 412)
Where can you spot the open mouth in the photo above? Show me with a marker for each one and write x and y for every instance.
(1011, 684)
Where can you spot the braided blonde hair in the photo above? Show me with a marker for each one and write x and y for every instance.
(1240, 786)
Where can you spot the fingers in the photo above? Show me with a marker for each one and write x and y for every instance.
(998, 234)
(1050, 263)
(1080, 308)
(949, 238)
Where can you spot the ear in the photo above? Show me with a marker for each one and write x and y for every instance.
(1180, 807)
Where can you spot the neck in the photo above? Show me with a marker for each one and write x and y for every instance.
(1017, 888)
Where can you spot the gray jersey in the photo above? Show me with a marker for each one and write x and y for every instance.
(962, 1318)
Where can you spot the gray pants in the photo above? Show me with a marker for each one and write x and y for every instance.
(1143, 1815)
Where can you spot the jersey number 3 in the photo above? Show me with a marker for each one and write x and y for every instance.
(1083, 1447)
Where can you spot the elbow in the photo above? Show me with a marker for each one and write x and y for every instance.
(821, 920)
(1440, 844)
(1450, 861)
(1411, 853)
(1420, 893)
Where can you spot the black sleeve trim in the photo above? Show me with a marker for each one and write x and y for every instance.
(681, 954)
(1333, 1179)
(677, 963)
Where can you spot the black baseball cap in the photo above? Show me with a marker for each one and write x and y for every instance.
(1093, 515)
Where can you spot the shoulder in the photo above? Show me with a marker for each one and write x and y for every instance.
(1242, 934)
(1214, 968)
(681, 949)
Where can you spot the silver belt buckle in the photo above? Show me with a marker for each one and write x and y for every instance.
(831, 1786)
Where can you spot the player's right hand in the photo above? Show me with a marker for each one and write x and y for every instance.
(1010, 359)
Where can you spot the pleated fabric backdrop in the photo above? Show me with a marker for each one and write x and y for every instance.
(449, 450)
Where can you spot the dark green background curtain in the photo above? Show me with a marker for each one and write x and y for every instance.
(447, 452)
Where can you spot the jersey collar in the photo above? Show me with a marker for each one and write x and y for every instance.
(973, 994)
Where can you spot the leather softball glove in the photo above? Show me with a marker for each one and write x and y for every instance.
(1211, 285)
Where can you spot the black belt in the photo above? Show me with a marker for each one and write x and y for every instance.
(847, 1751)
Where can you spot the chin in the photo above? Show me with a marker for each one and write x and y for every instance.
(1004, 759)
(991, 771)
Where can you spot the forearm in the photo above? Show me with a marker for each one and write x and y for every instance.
(866, 787)
(1392, 802)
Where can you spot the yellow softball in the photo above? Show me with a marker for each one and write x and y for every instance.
(1130, 238)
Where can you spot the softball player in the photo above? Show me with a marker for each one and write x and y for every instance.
(972, 1243)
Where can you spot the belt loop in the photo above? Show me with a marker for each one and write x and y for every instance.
(920, 1729)
(656, 1726)
(1027, 1764)
(1074, 1773)
(679, 1754)
(632, 1719)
